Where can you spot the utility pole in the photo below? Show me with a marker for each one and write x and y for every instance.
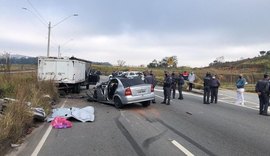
(49, 36)
(59, 54)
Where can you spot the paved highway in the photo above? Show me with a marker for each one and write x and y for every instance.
(186, 127)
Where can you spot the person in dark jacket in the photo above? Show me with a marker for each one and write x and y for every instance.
(206, 88)
(262, 89)
(150, 79)
(173, 84)
(180, 82)
(167, 83)
(214, 85)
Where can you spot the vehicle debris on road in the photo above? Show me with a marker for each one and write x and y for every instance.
(38, 113)
(81, 114)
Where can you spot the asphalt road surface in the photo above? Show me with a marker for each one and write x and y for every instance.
(186, 127)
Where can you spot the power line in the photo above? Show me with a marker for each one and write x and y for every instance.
(40, 17)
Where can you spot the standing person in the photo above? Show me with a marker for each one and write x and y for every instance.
(185, 75)
(113, 74)
(180, 82)
(149, 79)
(206, 88)
(191, 79)
(214, 85)
(173, 84)
(167, 83)
(262, 89)
(240, 85)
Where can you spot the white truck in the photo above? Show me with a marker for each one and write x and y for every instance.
(67, 73)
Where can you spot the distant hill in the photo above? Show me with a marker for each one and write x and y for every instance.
(102, 63)
(22, 59)
(17, 56)
(256, 64)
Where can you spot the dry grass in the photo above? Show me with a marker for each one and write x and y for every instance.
(17, 117)
(226, 75)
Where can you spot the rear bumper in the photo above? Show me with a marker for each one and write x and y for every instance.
(137, 99)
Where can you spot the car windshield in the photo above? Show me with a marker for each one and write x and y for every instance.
(131, 82)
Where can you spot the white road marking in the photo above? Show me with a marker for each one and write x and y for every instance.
(182, 148)
(45, 136)
(159, 90)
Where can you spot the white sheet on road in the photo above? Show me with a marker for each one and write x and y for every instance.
(82, 114)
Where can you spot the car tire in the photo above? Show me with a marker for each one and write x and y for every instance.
(118, 103)
(95, 94)
(146, 103)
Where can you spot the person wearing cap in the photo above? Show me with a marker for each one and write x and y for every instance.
(262, 89)
(214, 85)
(240, 85)
(167, 83)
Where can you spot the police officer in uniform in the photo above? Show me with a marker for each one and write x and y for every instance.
(149, 79)
(262, 89)
(180, 82)
(173, 84)
(214, 88)
(167, 83)
(206, 88)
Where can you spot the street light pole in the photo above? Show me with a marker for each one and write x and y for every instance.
(49, 31)
(49, 37)
(49, 26)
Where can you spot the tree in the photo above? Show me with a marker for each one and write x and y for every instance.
(121, 63)
(5, 61)
(262, 53)
(174, 61)
(164, 62)
(220, 59)
(153, 64)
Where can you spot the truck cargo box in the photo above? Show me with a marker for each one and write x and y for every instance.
(61, 70)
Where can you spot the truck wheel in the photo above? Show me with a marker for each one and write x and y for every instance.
(76, 88)
(145, 103)
(117, 103)
(87, 86)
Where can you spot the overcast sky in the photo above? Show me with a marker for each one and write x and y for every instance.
(137, 31)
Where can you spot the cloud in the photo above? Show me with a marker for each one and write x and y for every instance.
(195, 31)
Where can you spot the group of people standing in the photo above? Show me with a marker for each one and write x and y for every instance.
(173, 81)
(211, 85)
(210, 88)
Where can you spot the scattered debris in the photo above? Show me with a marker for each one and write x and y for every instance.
(188, 113)
(82, 114)
(39, 113)
(61, 123)
(14, 145)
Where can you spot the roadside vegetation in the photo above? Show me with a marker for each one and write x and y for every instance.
(27, 92)
(227, 72)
